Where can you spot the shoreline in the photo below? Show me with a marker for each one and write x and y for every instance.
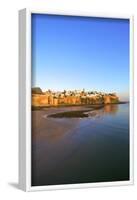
(75, 105)
(76, 113)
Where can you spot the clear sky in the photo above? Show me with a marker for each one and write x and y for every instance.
(80, 52)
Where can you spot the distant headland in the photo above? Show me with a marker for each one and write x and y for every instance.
(75, 97)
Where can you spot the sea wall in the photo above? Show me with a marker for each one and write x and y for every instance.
(49, 99)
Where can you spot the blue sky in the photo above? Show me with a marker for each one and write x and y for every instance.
(80, 52)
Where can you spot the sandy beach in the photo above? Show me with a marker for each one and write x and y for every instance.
(42, 127)
(78, 150)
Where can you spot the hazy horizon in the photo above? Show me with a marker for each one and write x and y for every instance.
(80, 52)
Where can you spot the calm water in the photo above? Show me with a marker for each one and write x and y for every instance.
(97, 149)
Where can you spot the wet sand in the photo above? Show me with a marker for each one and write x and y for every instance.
(77, 150)
(48, 127)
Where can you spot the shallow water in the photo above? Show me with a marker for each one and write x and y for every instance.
(93, 149)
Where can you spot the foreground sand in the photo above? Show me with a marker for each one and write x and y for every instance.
(49, 127)
(78, 150)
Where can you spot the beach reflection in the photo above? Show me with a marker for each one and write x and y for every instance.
(111, 109)
(106, 110)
